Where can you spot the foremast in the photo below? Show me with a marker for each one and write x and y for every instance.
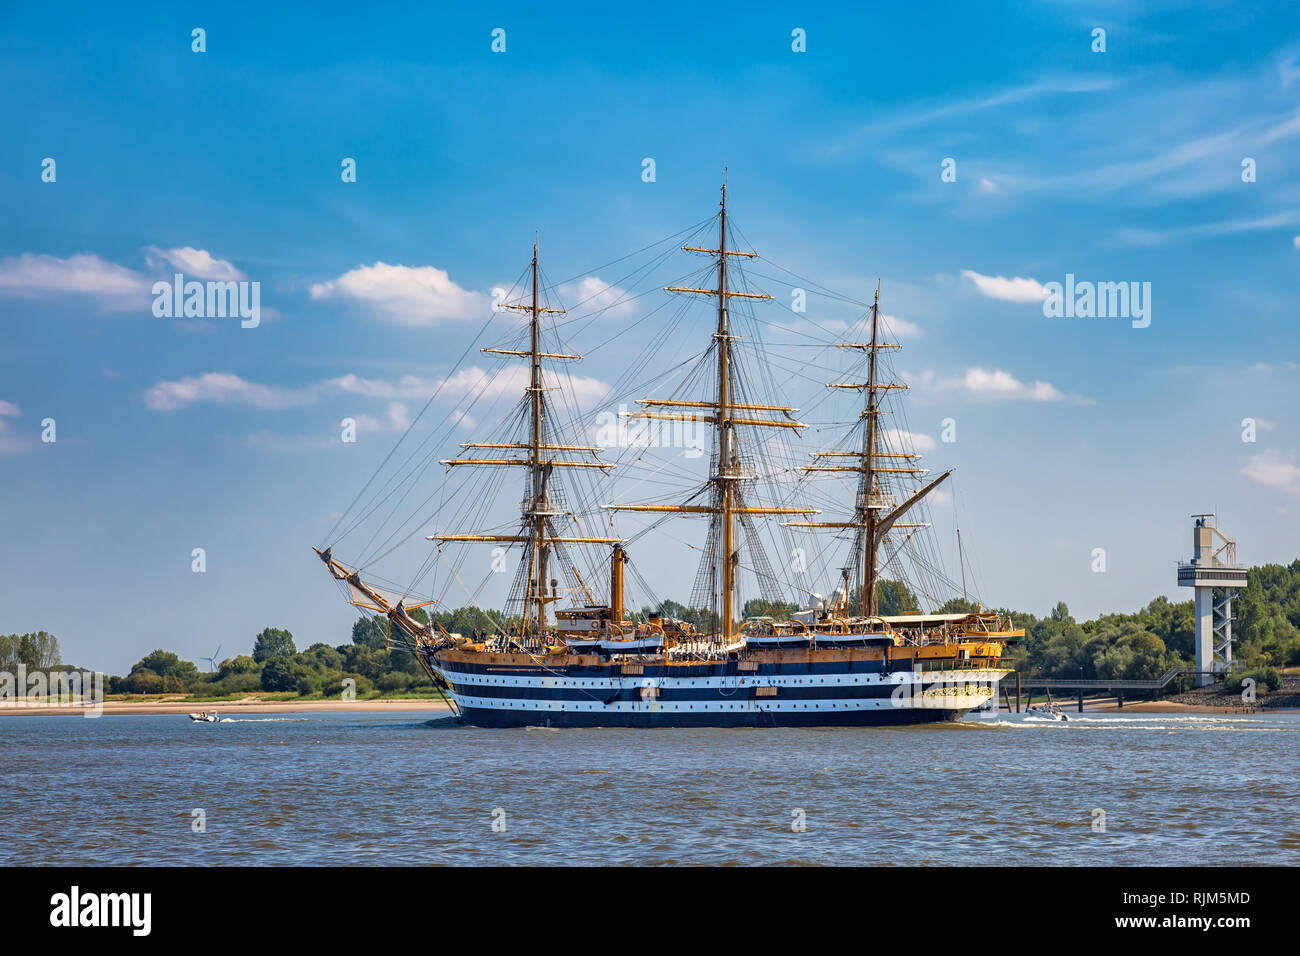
(537, 530)
(876, 511)
(725, 414)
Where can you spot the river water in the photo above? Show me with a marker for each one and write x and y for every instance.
(369, 788)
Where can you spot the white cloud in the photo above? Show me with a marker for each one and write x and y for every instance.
(223, 388)
(901, 328)
(596, 295)
(997, 384)
(514, 379)
(473, 381)
(423, 295)
(196, 263)
(1296, 242)
(1009, 290)
(114, 287)
(989, 187)
(397, 419)
(914, 441)
(1271, 470)
(408, 386)
(8, 408)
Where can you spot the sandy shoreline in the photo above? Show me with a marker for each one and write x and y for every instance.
(229, 708)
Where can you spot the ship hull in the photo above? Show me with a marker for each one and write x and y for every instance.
(804, 694)
(485, 717)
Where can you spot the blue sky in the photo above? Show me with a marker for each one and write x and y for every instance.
(1072, 433)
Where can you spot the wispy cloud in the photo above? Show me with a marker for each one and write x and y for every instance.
(920, 116)
(1209, 230)
(1266, 367)
(405, 295)
(396, 418)
(1273, 471)
(9, 442)
(596, 295)
(1172, 154)
(997, 384)
(112, 286)
(225, 388)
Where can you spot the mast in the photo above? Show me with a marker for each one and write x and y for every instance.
(536, 532)
(726, 503)
(868, 468)
(726, 456)
(539, 504)
(876, 511)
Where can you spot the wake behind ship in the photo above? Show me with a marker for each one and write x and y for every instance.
(818, 662)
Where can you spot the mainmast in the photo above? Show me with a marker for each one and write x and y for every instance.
(538, 533)
(727, 463)
(876, 512)
(868, 466)
(726, 503)
(540, 505)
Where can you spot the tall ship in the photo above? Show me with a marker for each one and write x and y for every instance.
(567, 651)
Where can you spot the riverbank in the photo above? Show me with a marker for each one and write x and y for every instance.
(1108, 705)
(248, 705)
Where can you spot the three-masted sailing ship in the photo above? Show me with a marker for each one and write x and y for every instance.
(592, 663)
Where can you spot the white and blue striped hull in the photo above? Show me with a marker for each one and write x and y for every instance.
(717, 695)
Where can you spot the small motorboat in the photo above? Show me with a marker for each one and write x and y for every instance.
(1046, 712)
(204, 717)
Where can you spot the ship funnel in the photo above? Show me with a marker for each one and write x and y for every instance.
(616, 559)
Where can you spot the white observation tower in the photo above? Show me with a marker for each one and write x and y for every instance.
(1213, 568)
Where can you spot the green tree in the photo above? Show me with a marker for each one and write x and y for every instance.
(36, 651)
(757, 607)
(281, 674)
(308, 684)
(273, 642)
(144, 682)
(371, 632)
(167, 664)
(243, 664)
(895, 597)
(322, 657)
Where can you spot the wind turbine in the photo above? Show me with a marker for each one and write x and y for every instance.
(212, 661)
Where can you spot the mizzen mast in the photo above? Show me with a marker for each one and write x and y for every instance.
(877, 511)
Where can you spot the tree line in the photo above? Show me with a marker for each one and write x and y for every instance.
(277, 666)
(1140, 645)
